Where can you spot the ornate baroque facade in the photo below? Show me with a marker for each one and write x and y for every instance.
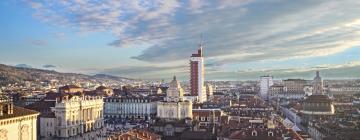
(73, 115)
(174, 106)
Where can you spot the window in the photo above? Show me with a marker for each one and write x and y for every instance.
(254, 133)
(270, 134)
(216, 119)
(208, 119)
(202, 118)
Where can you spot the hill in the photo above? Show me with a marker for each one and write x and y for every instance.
(13, 74)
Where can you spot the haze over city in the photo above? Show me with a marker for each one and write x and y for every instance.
(153, 39)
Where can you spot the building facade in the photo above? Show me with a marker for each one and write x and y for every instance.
(73, 116)
(197, 87)
(130, 107)
(104, 91)
(17, 123)
(317, 105)
(265, 83)
(174, 106)
(70, 89)
(294, 85)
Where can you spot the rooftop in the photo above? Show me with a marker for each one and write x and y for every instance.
(19, 112)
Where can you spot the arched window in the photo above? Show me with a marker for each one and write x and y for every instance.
(254, 133)
(270, 134)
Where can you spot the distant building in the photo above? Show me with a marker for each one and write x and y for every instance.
(130, 107)
(174, 114)
(207, 118)
(17, 123)
(276, 90)
(104, 91)
(72, 116)
(70, 89)
(265, 83)
(318, 85)
(294, 85)
(209, 91)
(197, 71)
(174, 106)
(137, 135)
(317, 105)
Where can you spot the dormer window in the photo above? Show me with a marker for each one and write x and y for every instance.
(270, 134)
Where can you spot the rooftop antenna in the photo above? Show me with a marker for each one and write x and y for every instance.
(201, 44)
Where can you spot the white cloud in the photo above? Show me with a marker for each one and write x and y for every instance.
(234, 31)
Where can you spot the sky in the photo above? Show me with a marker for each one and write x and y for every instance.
(154, 39)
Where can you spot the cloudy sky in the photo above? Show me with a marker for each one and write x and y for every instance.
(153, 39)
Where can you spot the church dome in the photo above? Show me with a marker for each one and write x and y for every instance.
(174, 92)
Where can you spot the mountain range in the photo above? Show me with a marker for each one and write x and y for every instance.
(19, 74)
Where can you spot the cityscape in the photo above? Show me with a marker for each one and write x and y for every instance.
(179, 70)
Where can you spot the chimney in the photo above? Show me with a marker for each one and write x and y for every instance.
(9, 108)
(1, 110)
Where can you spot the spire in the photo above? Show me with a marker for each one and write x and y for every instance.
(174, 78)
(317, 73)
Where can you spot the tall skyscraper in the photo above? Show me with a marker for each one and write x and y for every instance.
(197, 75)
(265, 83)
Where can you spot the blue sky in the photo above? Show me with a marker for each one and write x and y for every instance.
(153, 39)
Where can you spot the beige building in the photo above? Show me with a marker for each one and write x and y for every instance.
(294, 85)
(70, 89)
(104, 91)
(73, 115)
(17, 123)
(174, 106)
(209, 91)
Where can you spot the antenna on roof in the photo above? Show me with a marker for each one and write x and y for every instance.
(201, 39)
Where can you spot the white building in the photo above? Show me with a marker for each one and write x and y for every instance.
(265, 83)
(174, 106)
(209, 91)
(72, 116)
(130, 107)
(17, 123)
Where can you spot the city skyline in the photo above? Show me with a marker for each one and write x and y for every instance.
(154, 39)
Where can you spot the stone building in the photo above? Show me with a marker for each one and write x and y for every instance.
(70, 89)
(265, 83)
(209, 91)
(72, 116)
(130, 107)
(174, 106)
(174, 114)
(294, 85)
(317, 105)
(17, 123)
(104, 91)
